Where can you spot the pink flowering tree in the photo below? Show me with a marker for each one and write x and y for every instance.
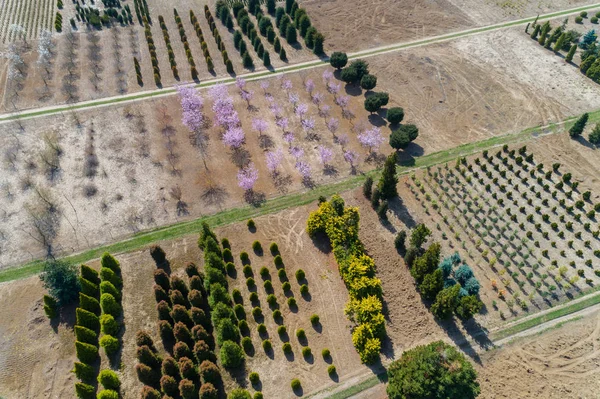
(240, 83)
(276, 110)
(294, 99)
(289, 138)
(325, 156)
(334, 88)
(247, 96)
(342, 101)
(308, 125)
(234, 138)
(324, 111)
(282, 123)
(333, 125)
(304, 169)
(309, 85)
(343, 140)
(264, 85)
(247, 177)
(259, 125)
(352, 158)
(286, 84)
(317, 98)
(301, 110)
(297, 153)
(225, 115)
(274, 159)
(371, 139)
(327, 76)
(191, 105)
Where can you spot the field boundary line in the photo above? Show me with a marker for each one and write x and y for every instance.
(157, 93)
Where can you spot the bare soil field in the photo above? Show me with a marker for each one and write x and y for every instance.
(557, 363)
(360, 25)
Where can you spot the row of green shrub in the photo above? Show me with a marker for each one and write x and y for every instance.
(98, 311)
(170, 51)
(340, 225)
(182, 321)
(152, 50)
(209, 62)
(299, 20)
(218, 39)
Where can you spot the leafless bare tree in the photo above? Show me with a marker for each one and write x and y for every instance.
(120, 72)
(50, 156)
(71, 77)
(44, 219)
(95, 58)
(168, 132)
(182, 207)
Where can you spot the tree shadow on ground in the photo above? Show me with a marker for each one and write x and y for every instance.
(265, 141)
(407, 157)
(585, 142)
(376, 120)
(322, 243)
(214, 195)
(254, 198)
(353, 90)
(282, 182)
(397, 207)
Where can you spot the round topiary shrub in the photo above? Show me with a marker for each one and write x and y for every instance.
(282, 275)
(296, 384)
(277, 315)
(251, 225)
(331, 370)
(247, 344)
(208, 391)
(166, 331)
(195, 298)
(200, 334)
(281, 330)
(268, 286)
(306, 352)
(264, 272)
(187, 369)
(258, 395)
(108, 394)
(187, 389)
(230, 268)
(227, 255)
(202, 352)
(170, 367)
(237, 296)
(253, 297)
(109, 326)
(209, 372)
(239, 393)
(110, 344)
(149, 393)
(181, 350)
(169, 386)
(304, 289)
(274, 249)
(286, 348)
(300, 275)
(261, 328)
(250, 283)
(240, 313)
(244, 258)
(257, 312)
(231, 355)
(292, 302)
(326, 354)
(191, 270)
(267, 345)
(256, 247)
(278, 261)
(314, 319)
(286, 286)
(86, 391)
(182, 333)
(301, 334)
(254, 378)
(109, 379)
(247, 271)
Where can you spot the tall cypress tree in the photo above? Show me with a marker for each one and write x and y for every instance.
(576, 130)
(571, 53)
(387, 182)
(536, 32)
(560, 42)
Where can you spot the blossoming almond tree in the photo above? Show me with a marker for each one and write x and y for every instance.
(259, 125)
(274, 159)
(247, 177)
(371, 138)
(191, 105)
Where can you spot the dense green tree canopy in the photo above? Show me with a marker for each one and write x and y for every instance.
(434, 371)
